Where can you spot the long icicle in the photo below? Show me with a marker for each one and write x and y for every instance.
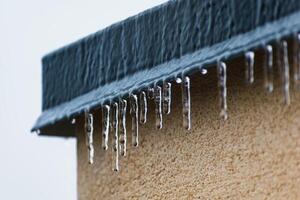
(158, 107)
(123, 132)
(115, 141)
(89, 128)
(249, 57)
(186, 102)
(134, 110)
(296, 63)
(167, 97)
(286, 72)
(143, 107)
(105, 126)
(268, 69)
(222, 75)
(298, 60)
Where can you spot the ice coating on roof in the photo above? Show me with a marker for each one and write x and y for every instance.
(127, 56)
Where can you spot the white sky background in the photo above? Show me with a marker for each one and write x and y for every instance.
(33, 167)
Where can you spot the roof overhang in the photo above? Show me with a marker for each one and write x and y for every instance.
(161, 43)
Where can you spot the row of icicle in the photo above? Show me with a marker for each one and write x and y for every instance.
(114, 115)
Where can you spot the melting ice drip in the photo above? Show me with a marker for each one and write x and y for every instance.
(286, 72)
(123, 134)
(115, 141)
(186, 102)
(89, 136)
(222, 75)
(105, 126)
(268, 69)
(167, 89)
(134, 110)
(143, 107)
(158, 107)
(249, 57)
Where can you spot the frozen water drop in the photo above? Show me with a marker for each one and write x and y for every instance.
(143, 107)
(249, 57)
(89, 128)
(115, 141)
(123, 132)
(105, 126)
(186, 102)
(178, 80)
(167, 97)
(268, 69)
(158, 107)
(222, 83)
(286, 72)
(203, 71)
(73, 121)
(134, 110)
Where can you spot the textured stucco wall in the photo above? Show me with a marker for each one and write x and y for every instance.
(254, 155)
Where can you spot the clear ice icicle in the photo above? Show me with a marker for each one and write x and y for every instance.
(186, 102)
(115, 141)
(105, 126)
(89, 136)
(298, 61)
(158, 107)
(278, 55)
(123, 134)
(285, 72)
(167, 97)
(296, 56)
(143, 107)
(222, 83)
(268, 68)
(249, 57)
(134, 110)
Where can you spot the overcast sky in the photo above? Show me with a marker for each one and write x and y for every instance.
(33, 167)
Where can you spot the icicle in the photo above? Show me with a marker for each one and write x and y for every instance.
(222, 74)
(268, 68)
(150, 93)
(89, 136)
(134, 110)
(278, 55)
(143, 107)
(186, 102)
(296, 63)
(158, 106)
(249, 67)
(286, 73)
(115, 141)
(123, 134)
(167, 97)
(105, 126)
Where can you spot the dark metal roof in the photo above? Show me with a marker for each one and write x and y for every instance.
(174, 38)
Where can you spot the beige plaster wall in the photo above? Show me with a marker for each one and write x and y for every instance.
(253, 155)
